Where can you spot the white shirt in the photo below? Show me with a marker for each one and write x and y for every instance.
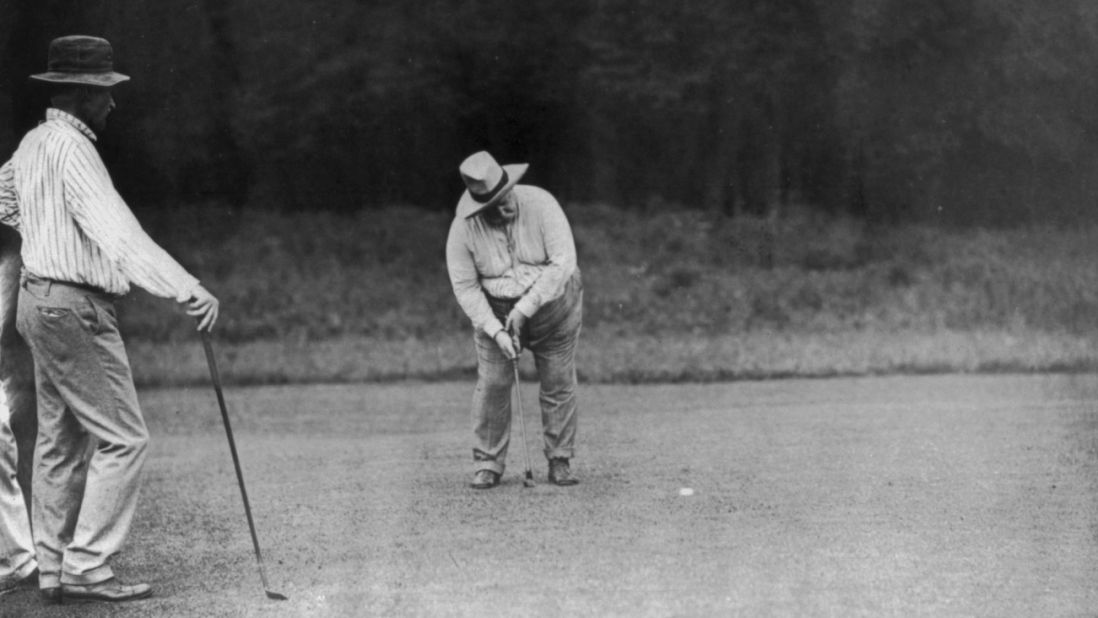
(530, 259)
(56, 191)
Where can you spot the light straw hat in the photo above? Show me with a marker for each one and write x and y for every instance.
(486, 182)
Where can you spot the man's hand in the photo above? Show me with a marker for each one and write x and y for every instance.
(515, 320)
(203, 307)
(503, 340)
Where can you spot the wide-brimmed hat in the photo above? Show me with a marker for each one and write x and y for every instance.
(486, 182)
(81, 59)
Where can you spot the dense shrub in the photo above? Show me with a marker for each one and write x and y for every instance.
(382, 273)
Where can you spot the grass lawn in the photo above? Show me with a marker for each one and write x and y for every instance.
(669, 295)
(885, 496)
(606, 357)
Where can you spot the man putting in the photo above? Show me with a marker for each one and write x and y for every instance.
(82, 248)
(512, 265)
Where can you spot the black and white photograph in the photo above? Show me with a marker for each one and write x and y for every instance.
(606, 308)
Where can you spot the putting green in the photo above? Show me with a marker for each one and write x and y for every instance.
(943, 496)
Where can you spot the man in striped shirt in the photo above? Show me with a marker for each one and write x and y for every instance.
(512, 265)
(82, 248)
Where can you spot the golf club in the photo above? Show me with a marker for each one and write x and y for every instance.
(215, 376)
(529, 481)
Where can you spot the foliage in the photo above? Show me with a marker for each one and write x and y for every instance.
(970, 107)
(883, 109)
(381, 273)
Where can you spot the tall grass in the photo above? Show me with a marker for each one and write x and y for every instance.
(656, 275)
(310, 277)
(688, 271)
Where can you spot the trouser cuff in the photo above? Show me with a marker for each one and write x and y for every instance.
(22, 572)
(94, 576)
(494, 466)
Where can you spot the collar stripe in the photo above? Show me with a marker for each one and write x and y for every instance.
(55, 114)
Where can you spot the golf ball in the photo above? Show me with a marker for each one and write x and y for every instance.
(686, 491)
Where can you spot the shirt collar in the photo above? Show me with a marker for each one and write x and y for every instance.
(55, 114)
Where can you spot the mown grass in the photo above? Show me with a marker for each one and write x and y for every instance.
(669, 295)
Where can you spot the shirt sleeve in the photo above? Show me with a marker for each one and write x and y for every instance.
(560, 250)
(9, 199)
(466, 281)
(108, 222)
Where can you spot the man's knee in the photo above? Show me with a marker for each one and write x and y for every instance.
(556, 374)
(557, 393)
(139, 442)
(131, 444)
(494, 373)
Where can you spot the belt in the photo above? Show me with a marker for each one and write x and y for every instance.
(26, 278)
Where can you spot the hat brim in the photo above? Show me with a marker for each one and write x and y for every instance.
(469, 207)
(102, 80)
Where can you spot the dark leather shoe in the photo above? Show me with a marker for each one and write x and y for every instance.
(485, 479)
(51, 595)
(109, 590)
(29, 582)
(560, 473)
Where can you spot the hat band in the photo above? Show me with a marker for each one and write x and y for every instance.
(75, 68)
(484, 198)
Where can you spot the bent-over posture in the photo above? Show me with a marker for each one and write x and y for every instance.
(512, 265)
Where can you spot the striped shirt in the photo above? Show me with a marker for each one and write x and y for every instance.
(76, 228)
(530, 259)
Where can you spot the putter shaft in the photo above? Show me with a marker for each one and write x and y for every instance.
(215, 376)
(529, 482)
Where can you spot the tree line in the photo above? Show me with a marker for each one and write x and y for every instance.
(972, 112)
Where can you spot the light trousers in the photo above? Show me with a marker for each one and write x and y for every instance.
(17, 421)
(552, 335)
(83, 503)
(16, 543)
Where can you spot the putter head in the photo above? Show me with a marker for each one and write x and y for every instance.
(529, 480)
(276, 596)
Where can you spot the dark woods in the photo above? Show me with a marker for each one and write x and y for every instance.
(932, 110)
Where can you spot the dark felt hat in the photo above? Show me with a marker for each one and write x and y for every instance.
(81, 59)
